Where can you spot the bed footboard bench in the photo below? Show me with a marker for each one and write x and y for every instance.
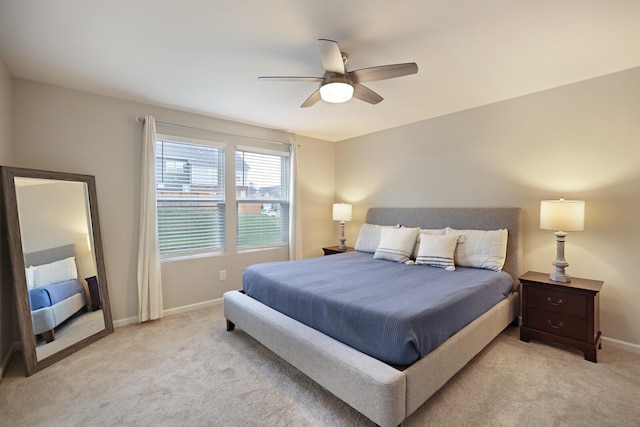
(373, 388)
(380, 392)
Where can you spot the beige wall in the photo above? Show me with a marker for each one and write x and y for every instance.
(56, 214)
(580, 141)
(6, 116)
(317, 194)
(72, 131)
(8, 328)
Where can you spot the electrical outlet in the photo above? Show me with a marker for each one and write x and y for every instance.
(223, 274)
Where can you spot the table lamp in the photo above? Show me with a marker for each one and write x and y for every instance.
(342, 213)
(562, 216)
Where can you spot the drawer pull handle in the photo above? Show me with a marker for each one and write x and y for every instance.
(554, 303)
(558, 326)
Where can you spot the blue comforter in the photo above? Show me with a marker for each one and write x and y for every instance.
(48, 295)
(394, 312)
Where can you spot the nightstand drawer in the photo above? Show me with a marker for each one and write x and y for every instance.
(557, 301)
(557, 324)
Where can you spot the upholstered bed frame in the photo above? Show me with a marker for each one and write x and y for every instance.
(45, 319)
(384, 394)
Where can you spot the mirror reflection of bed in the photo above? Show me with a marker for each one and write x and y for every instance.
(60, 268)
(53, 237)
(65, 307)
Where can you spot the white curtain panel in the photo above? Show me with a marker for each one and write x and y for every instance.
(149, 276)
(295, 227)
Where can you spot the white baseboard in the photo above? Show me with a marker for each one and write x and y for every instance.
(124, 322)
(624, 345)
(172, 311)
(15, 347)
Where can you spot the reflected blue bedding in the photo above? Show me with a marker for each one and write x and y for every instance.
(394, 312)
(48, 295)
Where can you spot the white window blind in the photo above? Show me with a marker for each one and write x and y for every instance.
(190, 195)
(262, 195)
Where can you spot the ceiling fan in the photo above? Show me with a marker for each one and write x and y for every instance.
(339, 85)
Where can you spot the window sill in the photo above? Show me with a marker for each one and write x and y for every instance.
(171, 258)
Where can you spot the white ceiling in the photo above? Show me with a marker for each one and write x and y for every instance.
(205, 56)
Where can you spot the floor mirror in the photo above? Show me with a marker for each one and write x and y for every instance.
(54, 244)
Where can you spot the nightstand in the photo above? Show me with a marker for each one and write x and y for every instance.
(330, 250)
(563, 313)
(94, 293)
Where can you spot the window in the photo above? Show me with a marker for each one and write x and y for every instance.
(262, 195)
(190, 194)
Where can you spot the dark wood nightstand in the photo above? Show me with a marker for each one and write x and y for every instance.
(330, 250)
(564, 313)
(94, 293)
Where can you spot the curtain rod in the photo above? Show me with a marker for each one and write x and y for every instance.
(142, 120)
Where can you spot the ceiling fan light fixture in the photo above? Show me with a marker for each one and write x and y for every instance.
(336, 92)
(339, 85)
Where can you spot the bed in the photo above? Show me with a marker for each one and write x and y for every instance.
(377, 387)
(55, 294)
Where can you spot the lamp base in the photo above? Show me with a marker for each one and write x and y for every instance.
(342, 246)
(560, 264)
(560, 277)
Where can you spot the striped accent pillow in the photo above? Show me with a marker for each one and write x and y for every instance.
(396, 244)
(437, 250)
(369, 237)
(414, 254)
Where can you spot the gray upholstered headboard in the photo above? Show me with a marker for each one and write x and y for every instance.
(47, 256)
(461, 218)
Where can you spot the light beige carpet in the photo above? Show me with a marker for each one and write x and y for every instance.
(188, 370)
(74, 329)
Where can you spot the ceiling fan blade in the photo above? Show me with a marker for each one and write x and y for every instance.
(383, 72)
(365, 94)
(291, 79)
(331, 56)
(315, 97)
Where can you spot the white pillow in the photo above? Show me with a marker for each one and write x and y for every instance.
(437, 250)
(431, 231)
(369, 237)
(481, 248)
(55, 272)
(396, 244)
(28, 272)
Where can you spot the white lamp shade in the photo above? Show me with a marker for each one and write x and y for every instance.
(341, 212)
(562, 215)
(336, 92)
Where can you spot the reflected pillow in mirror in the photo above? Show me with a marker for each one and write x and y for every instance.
(55, 272)
(29, 272)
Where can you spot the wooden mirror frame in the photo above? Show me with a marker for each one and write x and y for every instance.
(11, 226)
